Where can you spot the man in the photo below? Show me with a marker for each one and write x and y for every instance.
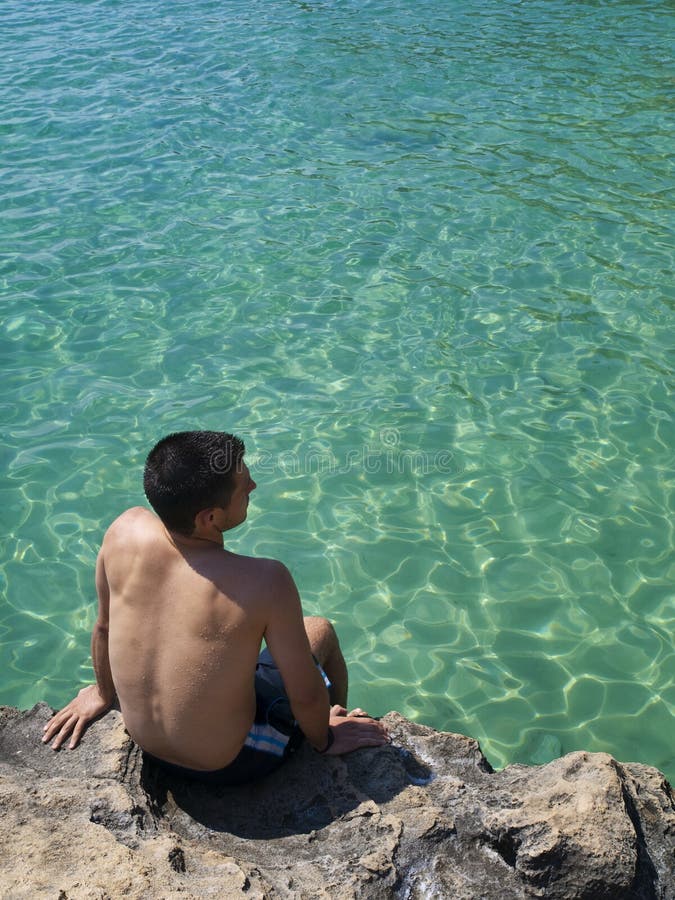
(180, 625)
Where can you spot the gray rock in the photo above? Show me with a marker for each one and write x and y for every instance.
(425, 817)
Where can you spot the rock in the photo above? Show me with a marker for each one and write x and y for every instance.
(425, 817)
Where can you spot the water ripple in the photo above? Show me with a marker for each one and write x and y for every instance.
(421, 258)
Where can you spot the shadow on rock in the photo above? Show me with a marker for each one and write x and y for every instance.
(308, 793)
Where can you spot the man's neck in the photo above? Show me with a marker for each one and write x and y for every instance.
(196, 541)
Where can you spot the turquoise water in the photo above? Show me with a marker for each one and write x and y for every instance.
(419, 255)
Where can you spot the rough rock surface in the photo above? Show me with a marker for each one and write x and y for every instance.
(425, 817)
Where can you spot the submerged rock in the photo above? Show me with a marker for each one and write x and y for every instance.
(423, 817)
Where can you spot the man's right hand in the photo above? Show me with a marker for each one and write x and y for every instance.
(75, 717)
(354, 730)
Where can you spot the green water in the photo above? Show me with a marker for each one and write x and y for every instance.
(419, 255)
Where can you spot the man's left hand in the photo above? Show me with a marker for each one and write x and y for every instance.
(354, 730)
(74, 718)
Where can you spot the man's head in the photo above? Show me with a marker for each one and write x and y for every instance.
(192, 471)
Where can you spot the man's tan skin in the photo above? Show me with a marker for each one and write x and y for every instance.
(179, 628)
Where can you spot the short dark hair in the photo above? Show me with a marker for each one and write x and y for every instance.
(189, 471)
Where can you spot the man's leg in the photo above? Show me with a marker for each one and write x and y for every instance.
(326, 648)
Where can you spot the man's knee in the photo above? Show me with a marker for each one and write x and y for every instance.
(322, 636)
(319, 626)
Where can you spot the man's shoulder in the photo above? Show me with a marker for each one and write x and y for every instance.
(133, 516)
(264, 566)
(270, 576)
(137, 518)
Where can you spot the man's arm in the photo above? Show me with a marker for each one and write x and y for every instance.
(330, 730)
(287, 641)
(95, 699)
(99, 636)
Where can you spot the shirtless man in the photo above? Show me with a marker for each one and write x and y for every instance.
(180, 625)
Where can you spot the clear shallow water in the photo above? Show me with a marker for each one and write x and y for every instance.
(420, 257)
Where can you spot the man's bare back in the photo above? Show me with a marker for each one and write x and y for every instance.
(180, 625)
(186, 627)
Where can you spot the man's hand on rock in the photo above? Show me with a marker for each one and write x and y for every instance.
(74, 718)
(354, 730)
(338, 710)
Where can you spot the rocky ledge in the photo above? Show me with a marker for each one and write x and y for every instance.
(423, 817)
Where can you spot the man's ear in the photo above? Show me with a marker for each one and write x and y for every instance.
(204, 519)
